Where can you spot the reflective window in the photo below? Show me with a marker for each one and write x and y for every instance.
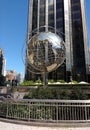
(42, 10)
(78, 43)
(51, 13)
(51, 16)
(42, 2)
(59, 14)
(42, 13)
(50, 1)
(35, 10)
(75, 8)
(59, 5)
(51, 23)
(50, 8)
(75, 1)
(59, 24)
(42, 18)
(59, 1)
(76, 16)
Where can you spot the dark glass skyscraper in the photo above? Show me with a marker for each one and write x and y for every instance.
(2, 62)
(68, 17)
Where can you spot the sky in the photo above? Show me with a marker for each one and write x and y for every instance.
(13, 30)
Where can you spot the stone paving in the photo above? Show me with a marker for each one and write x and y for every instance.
(11, 126)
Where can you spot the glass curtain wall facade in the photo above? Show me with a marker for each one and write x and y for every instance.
(79, 40)
(68, 17)
(2, 62)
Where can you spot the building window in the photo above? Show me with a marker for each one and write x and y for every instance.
(50, 2)
(51, 13)
(75, 1)
(42, 13)
(75, 8)
(76, 15)
(42, 2)
(35, 10)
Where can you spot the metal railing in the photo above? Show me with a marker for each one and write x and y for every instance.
(46, 110)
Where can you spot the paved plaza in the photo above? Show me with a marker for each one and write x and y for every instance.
(13, 126)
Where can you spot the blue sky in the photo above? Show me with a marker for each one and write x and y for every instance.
(13, 29)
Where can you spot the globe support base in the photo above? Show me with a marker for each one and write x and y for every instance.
(45, 80)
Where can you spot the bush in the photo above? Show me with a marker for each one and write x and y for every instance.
(56, 93)
(51, 81)
(75, 82)
(78, 94)
(61, 81)
(38, 81)
(27, 83)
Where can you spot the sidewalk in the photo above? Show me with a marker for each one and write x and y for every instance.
(11, 126)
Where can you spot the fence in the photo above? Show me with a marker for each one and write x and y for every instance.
(46, 110)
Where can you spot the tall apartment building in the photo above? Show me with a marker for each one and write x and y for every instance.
(69, 18)
(89, 60)
(2, 63)
(13, 77)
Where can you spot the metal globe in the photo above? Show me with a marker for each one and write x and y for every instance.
(45, 52)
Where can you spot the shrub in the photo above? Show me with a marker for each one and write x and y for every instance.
(77, 94)
(75, 82)
(51, 81)
(56, 93)
(38, 81)
(61, 81)
(27, 83)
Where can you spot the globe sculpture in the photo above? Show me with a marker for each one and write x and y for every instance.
(45, 53)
